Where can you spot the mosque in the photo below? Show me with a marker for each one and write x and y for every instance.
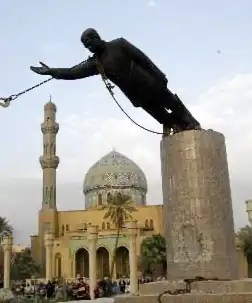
(112, 173)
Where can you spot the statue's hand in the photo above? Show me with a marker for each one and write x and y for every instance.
(43, 70)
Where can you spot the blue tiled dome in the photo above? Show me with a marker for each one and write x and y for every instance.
(115, 171)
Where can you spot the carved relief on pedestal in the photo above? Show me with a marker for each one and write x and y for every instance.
(191, 245)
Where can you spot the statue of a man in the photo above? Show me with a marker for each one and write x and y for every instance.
(134, 73)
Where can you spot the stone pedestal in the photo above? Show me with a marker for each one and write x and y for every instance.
(48, 242)
(7, 243)
(198, 211)
(132, 234)
(92, 239)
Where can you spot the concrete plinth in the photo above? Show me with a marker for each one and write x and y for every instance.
(198, 211)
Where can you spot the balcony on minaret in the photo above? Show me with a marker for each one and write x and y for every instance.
(49, 127)
(49, 161)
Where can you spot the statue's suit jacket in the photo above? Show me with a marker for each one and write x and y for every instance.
(124, 65)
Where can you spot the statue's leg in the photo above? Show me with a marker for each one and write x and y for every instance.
(160, 114)
(172, 102)
(187, 114)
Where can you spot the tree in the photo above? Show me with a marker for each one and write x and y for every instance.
(23, 266)
(153, 254)
(119, 208)
(5, 227)
(245, 236)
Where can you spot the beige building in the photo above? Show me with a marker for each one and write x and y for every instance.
(112, 173)
(69, 248)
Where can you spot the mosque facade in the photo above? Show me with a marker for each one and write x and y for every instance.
(113, 173)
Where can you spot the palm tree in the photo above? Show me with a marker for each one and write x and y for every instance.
(5, 227)
(119, 208)
(245, 236)
(153, 253)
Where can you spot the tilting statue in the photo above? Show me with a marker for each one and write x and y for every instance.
(143, 83)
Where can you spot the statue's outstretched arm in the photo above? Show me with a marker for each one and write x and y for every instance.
(139, 57)
(84, 70)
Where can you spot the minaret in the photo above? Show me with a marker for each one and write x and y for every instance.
(49, 161)
(48, 215)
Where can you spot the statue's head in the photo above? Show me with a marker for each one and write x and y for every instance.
(91, 40)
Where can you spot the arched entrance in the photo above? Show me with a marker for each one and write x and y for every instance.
(82, 263)
(122, 262)
(102, 257)
(57, 261)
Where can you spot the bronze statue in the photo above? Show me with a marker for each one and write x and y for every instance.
(134, 73)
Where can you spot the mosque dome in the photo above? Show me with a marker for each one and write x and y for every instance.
(114, 173)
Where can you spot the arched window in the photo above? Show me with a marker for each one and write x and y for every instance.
(108, 225)
(100, 199)
(151, 224)
(85, 226)
(62, 230)
(67, 227)
(146, 224)
(103, 225)
(109, 197)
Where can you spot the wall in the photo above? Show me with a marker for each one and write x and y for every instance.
(79, 219)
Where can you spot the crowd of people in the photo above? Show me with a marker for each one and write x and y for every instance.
(73, 290)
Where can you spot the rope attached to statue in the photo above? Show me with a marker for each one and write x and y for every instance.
(6, 101)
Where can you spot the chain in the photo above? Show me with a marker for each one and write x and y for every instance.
(6, 101)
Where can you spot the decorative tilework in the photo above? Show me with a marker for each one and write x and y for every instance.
(114, 172)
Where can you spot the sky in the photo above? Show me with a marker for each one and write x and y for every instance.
(203, 47)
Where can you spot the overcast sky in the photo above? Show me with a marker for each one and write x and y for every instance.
(205, 49)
